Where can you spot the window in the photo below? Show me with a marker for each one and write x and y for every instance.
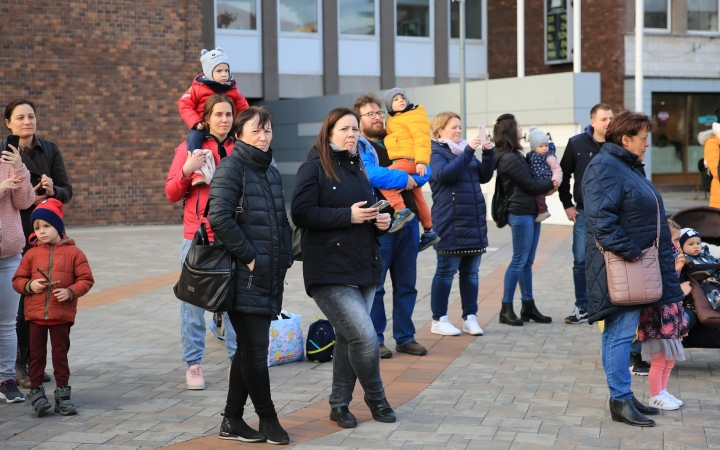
(357, 17)
(657, 14)
(237, 14)
(298, 16)
(413, 18)
(473, 19)
(702, 15)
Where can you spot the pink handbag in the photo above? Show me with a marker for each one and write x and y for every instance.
(636, 282)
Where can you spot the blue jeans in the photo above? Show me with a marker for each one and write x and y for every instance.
(399, 253)
(578, 247)
(617, 340)
(195, 139)
(192, 326)
(9, 300)
(447, 267)
(525, 238)
(356, 355)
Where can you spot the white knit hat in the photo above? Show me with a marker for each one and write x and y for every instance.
(536, 137)
(211, 59)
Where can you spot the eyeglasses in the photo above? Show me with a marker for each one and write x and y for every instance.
(372, 114)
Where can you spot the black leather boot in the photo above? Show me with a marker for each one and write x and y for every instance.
(625, 411)
(380, 410)
(530, 312)
(274, 432)
(22, 377)
(507, 315)
(643, 409)
(343, 417)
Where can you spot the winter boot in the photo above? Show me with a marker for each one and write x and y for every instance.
(235, 428)
(39, 401)
(63, 404)
(22, 377)
(530, 312)
(507, 315)
(273, 431)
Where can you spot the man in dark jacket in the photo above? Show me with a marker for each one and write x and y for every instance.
(399, 250)
(579, 152)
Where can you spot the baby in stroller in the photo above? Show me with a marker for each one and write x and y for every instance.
(701, 265)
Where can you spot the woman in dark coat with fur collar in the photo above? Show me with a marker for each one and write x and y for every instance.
(621, 210)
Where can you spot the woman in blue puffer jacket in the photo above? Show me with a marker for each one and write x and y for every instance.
(458, 215)
(621, 210)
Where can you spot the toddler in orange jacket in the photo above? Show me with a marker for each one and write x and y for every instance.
(408, 146)
(52, 275)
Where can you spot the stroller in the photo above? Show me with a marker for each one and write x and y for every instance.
(706, 332)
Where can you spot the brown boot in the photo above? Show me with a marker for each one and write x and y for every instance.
(22, 376)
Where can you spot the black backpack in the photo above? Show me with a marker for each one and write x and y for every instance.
(320, 341)
(500, 200)
(47, 149)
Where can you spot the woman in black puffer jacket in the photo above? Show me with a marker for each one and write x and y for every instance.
(517, 182)
(622, 218)
(341, 261)
(258, 237)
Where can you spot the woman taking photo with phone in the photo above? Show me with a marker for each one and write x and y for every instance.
(458, 213)
(341, 260)
(50, 180)
(16, 194)
(519, 187)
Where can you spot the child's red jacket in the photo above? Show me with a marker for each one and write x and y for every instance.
(62, 262)
(192, 102)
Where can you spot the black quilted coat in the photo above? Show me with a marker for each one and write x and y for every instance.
(622, 216)
(515, 176)
(261, 232)
(335, 251)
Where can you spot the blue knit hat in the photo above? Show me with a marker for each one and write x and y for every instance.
(50, 211)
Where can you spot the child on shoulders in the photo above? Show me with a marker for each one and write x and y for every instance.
(215, 79)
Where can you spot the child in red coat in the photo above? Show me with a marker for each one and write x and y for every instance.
(52, 276)
(215, 79)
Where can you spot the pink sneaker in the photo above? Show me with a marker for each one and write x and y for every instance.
(194, 378)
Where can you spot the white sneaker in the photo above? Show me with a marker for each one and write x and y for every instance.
(470, 326)
(194, 377)
(672, 397)
(444, 327)
(661, 401)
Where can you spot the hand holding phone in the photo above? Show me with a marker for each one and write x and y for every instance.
(482, 135)
(14, 140)
(382, 204)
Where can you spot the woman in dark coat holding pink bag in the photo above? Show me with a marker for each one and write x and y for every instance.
(621, 210)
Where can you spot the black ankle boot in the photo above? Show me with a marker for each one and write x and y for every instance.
(643, 409)
(530, 312)
(63, 404)
(343, 417)
(380, 410)
(39, 401)
(507, 315)
(235, 428)
(274, 432)
(625, 411)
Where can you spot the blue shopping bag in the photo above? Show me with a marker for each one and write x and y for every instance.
(286, 339)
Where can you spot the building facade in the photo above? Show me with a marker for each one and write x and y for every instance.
(106, 74)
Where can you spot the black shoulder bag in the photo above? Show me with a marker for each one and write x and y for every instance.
(297, 232)
(207, 279)
(500, 201)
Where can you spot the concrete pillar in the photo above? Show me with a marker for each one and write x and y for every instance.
(331, 78)
(387, 44)
(442, 41)
(271, 78)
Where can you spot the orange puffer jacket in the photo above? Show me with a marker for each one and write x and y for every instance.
(408, 136)
(62, 262)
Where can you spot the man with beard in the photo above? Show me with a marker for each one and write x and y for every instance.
(399, 250)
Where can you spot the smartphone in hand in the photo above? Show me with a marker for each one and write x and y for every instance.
(483, 135)
(14, 140)
(382, 204)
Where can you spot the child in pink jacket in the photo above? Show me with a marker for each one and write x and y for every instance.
(543, 165)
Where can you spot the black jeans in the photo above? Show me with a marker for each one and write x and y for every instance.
(22, 328)
(249, 375)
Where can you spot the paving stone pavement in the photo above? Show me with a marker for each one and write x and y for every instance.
(529, 387)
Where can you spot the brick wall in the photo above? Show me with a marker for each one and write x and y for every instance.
(105, 76)
(603, 29)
